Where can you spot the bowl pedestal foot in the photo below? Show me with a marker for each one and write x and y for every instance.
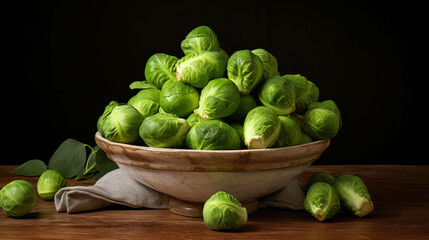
(195, 209)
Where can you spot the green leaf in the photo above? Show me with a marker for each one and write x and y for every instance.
(104, 164)
(31, 168)
(142, 85)
(69, 159)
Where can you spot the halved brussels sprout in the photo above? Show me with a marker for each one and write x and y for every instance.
(278, 94)
(18, 198)
(219, 99)
(49, 183)
(198, 69)
(247, 103)
(306, 91)
(223, 212)
(213, 135)
(290, 133)
(179, 98)
(194, 119)
(261, 128)
(269, 62)
(164, 130)
(322, 120)
(200, 39)
(245, 69)
(160, 68)
(120, 123)
(146, 101)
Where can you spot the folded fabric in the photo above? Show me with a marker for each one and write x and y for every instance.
(116, 187)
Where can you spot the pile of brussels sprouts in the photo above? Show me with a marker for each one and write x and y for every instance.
(208, 100)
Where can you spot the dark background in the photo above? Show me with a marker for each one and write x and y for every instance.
(65, 60)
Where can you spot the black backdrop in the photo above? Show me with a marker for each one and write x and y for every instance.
(65, 60)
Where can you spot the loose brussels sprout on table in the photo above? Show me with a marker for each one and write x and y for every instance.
(223, 212)
(261, 128)
(322, 201)
(213, 135)
(245, 69)
(354, 194)
(178, 98)
(160, 68)
(278, 94)
(219, 99)
(49, 183)
(164, 130)
(120, 123)
(146, 101)
(17, 198)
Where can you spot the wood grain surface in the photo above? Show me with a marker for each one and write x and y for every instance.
(400, 195)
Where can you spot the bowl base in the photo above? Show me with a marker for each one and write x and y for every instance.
(195, 209)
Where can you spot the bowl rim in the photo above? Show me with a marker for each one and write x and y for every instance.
(211, 160)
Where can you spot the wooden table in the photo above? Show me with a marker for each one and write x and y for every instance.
(400, 195)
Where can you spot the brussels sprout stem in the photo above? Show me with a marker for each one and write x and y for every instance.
(364, 209)
(256, 143)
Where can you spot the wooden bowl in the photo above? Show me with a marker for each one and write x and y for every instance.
(190, 176)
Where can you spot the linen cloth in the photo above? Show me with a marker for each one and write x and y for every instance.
(116, 187)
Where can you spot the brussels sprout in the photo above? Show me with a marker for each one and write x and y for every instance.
(160, 68)
(319, 177)
(306, 91)
(213, 135)
(49, 183)
(120, 123)
(179, 98)
(146, 101)
(247, 103)
(261, 128)
(322, 120)
(219, 99)
(322, 201)
(198, 69)
(193, 119)
(305, 139)
(290, 133)
(164, 130)
(223, 212)
(245, 69)
(239, 129)
(299, 119)
(354, 195)
(278, 94)
(200, 39)
(269, 62)
(17, 198)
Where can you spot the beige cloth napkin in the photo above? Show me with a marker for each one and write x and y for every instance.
(116, 187)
